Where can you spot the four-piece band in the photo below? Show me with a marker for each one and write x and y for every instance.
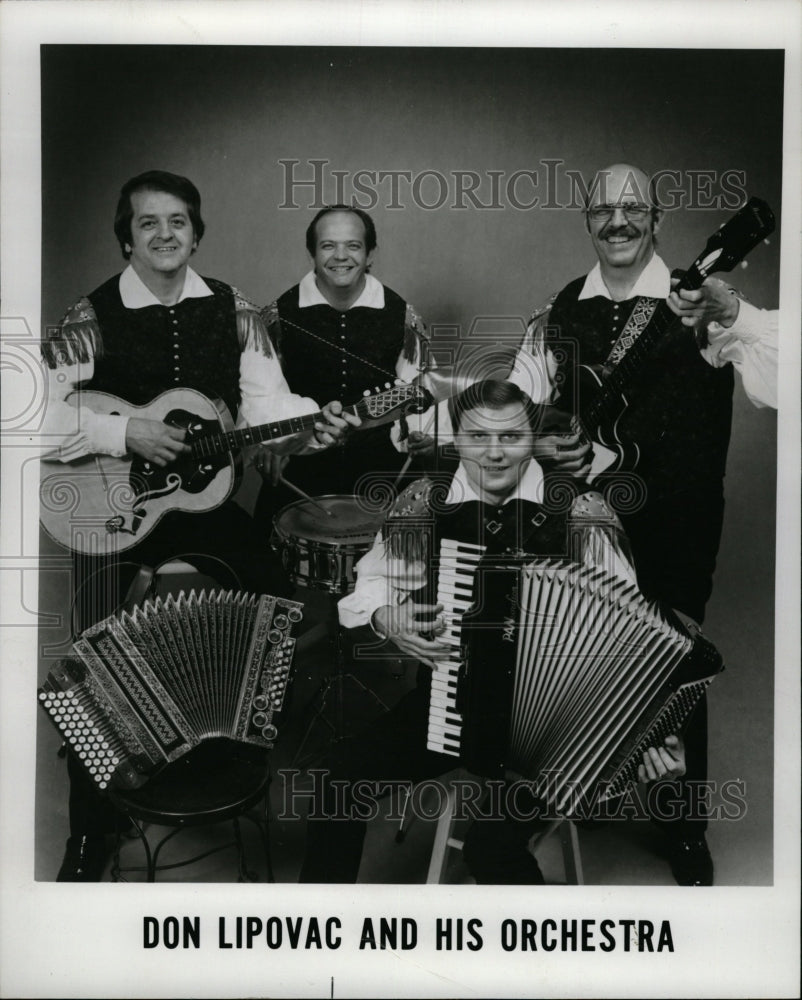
(543, 546)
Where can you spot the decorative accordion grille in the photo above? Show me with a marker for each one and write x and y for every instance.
(144, 688)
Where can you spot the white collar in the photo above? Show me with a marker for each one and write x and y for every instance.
(530, 486)
(654, 282)
(136, 294)
(372, 296)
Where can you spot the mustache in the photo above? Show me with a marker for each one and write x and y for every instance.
(619, 231)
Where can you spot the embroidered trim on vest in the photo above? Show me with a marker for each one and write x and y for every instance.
(78, 339)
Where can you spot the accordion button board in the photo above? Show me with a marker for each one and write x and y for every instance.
(144, 688)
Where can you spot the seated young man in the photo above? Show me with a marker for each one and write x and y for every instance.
(495, 499)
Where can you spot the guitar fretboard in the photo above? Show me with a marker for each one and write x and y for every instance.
(371, 408)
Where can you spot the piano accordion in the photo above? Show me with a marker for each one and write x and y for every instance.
(144, 688)
(564, 675)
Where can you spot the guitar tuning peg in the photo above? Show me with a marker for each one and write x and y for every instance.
(366, 392)
(388, 385)
(744, 264)
(767, 242)
(378, 388)
(398, 381)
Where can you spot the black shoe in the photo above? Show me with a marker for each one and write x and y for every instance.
(84, 859)
(690, 860)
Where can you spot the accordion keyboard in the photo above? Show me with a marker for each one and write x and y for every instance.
(457, 570)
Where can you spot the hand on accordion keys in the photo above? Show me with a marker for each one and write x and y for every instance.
(407, 624)
(667, 761)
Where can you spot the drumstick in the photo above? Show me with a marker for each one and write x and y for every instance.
(408, 462)
(306, 496)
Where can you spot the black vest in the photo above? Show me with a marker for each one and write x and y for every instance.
(192, 344)
(327, 354)
(520, 528)
(680, 407)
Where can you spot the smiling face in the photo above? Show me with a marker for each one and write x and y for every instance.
(341, 257)
(495, 446)
(620, 219)
(162, 237)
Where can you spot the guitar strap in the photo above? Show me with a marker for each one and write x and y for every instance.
(638, 321)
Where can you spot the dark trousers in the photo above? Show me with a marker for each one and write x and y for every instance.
(675, 542)
(222, 544)
(393, 749)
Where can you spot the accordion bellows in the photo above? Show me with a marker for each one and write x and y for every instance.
(144, 688)
(569, 674)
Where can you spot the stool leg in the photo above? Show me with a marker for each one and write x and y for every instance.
(152, 861)
(115, 857)
(403, 826)
(242, 867)
(572, 859)
(265, 831)
(442, 836)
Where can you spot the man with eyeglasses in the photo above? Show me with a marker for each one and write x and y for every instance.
(679, 416)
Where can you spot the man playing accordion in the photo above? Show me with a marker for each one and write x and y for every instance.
(497, 499)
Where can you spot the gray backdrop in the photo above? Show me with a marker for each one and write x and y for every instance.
(226, 117)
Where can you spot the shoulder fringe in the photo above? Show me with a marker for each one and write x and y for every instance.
(251, 330)
(414, 332)
(76, 340)
(405, 529)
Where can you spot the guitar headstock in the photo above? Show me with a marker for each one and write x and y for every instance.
(393, 402)
(729, 245)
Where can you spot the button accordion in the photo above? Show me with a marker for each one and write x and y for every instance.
(561, 673)
(144, 688)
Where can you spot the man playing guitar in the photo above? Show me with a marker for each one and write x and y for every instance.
(677, 419)
(158, 326)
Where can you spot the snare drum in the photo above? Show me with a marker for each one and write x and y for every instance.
(319, 551)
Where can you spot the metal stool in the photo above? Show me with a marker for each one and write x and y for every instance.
(444, 840)
(219, 780)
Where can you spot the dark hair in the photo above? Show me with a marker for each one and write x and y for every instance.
(156, 180)
(367, 222)
(494, 394)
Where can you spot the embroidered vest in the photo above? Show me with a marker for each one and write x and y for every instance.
(192, 344)
(680, 407)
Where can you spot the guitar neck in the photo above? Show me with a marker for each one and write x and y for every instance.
(230, 442)
(606, 403)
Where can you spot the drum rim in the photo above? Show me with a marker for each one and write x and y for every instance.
(325, 546)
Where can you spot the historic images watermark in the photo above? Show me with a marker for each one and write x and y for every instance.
(498, 800)
(314, 184)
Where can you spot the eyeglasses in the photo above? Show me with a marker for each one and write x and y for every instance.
(632, 210)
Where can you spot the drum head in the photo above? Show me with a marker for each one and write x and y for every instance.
(342, 521)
